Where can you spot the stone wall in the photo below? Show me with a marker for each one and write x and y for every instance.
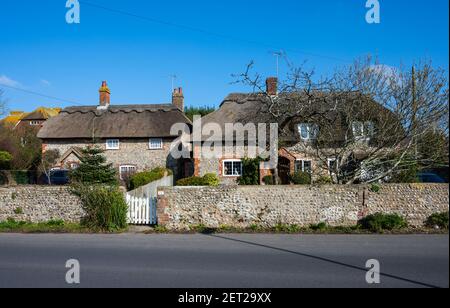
(39, 204)
(179, 208)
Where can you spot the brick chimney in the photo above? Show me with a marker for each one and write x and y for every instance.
(105, 95)
(178, 98)
(272, 86)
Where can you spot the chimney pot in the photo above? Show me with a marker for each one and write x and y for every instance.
(105, 95)
(178, 98)
(272, 86)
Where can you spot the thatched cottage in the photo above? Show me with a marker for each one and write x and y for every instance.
(134, 137)
(312, 131)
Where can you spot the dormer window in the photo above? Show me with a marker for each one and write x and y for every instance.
(363, 130)
(308, 131)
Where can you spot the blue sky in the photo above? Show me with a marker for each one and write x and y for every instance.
(40, 52)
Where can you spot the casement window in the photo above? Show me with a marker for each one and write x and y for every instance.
(74, 166)
(126, 171)
(308, 131)
(363, 130)
(232, 168)
(35, 123)
(112, 144)
(155, 144)
(332, 165)
(303, 166)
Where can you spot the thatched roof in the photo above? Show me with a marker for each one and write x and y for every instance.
(118, 121)
(254, 108)
(42, 113)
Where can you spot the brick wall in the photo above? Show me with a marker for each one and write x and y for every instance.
(241, 206)
(39, 204)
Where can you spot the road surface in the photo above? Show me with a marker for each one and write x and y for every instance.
(228, 261)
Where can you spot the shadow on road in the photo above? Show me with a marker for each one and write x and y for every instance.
(324, 260)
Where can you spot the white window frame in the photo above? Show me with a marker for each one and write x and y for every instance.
(151, 147)
(233, 161)
(329, 160)
(128, 167)
(35, 123)
(363, 133)
(74, 165)
(303, 164)
(311, 129)
(108, 147)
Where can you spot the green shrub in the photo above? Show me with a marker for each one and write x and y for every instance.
(21, 177)
(269, 180)
(379, 222)
(319, 227)
(18, 211)
(375, 188)
(105, 207)
(250, 171)
(5, 160)
(209, 179)
(255, 227)
(147, 177)
(284, 228)
(55, 223)
(11, 224)
(324, 180)
(439, 220)
(301, 178)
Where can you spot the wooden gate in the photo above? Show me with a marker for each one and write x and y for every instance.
(141, 210)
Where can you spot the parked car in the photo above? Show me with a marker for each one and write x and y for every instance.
(430, 178)
(59, 177)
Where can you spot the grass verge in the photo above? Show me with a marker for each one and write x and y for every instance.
(291, 229)
(52, 226)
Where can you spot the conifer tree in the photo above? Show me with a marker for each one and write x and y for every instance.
(94, 169)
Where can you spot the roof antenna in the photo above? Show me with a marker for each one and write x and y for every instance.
(173, 78)
(278, 54)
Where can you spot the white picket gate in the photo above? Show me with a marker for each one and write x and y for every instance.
(141, 210)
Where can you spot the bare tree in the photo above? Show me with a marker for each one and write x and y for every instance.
(48, 160)
(3, 108)
(371, 119)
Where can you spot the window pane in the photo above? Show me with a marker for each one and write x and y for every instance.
(237, 168)
(369, 129)
(358, 129)
(112, 144)
(298, 166)
(155, 144)
(304, 131)
(314, 131)
(127, 171)
(307, 166)
(232, 168)
(228, 168)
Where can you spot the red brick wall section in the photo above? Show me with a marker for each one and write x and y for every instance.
(163, 217)
(285, 153)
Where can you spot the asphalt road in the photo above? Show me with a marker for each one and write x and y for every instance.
(225, 261)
